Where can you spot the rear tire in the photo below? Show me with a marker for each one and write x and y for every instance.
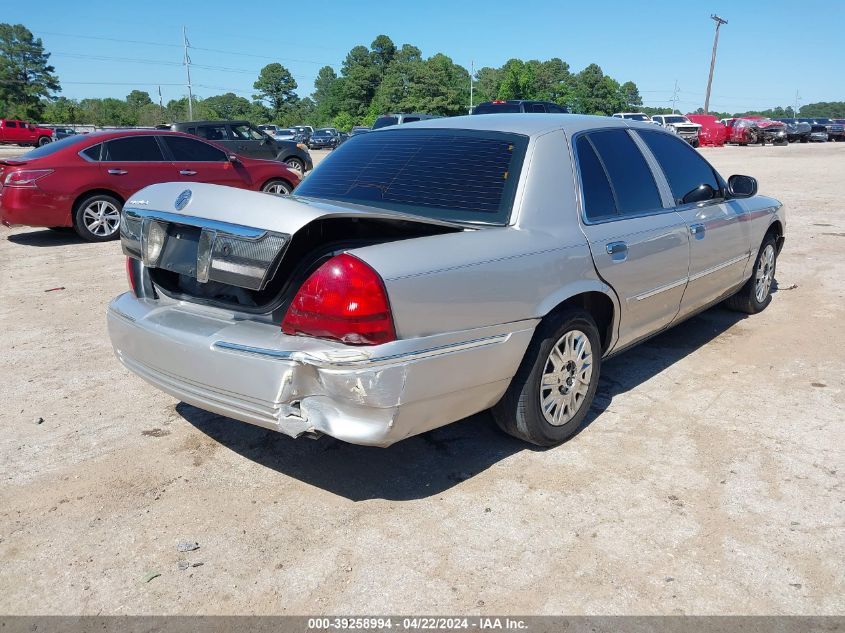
(756, 294)
(277, 187)
(550, 396)
(97, 218)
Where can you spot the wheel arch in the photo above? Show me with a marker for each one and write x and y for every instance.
(96, 192)
(598, 300)
(776, 230)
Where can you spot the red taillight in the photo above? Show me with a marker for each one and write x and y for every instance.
(344, 299)
(25, 178)
(130, 275)
(498, 101)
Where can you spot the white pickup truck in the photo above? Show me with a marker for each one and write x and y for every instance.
(680, 125)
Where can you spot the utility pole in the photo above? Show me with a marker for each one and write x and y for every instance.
(471, 73)
(187, 63)
(160, 106)
(675, 96)
(797, 99)
(719, 22)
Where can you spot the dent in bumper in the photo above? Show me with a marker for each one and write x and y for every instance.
(373, 396)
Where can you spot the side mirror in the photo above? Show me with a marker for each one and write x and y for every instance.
(742, 186)
(702, 193)
(233, 158)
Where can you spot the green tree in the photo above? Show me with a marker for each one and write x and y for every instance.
(516, 80)
(27, 79)
(361, 79)
(228, 106)
(383, 50)
(631, 95)
(343, 122)
(276, 87)
(596, 93)
(326, 96)
(137, 99)
(61, 110)
(394, 92)
(554, 82)
(486, 86)
(441, 87)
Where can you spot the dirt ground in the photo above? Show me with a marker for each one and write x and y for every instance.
(708, 481)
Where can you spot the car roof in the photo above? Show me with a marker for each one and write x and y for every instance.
(532, 124)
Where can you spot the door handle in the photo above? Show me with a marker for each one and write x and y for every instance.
(618, 251)
(698, 230)
(118, 172)
(187, 172)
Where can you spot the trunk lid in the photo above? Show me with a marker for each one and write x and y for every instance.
(216, 244)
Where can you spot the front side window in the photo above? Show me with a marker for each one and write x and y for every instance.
(459, 175)
(630, 177)
(134, 149)
(690, 176)
(410, 119)
(538, 107)
(11, 124)
(187, 149)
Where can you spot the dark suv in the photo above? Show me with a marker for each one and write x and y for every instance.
(241, 137)
(518, 105)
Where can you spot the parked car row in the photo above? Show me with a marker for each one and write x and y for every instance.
(15, 131)
(84, 180)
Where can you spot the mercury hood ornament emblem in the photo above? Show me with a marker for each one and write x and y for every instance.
(183, 199)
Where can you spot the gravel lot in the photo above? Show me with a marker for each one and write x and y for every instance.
(709, 480)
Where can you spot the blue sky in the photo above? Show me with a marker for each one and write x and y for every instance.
(767, 51)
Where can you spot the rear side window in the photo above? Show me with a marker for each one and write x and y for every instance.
(134, 148)
(459, 175)
(212, 132)
(685, 169)
(536, 107)
(595, 187)
(186, 149)
(93, 152)
(630, 178)
(11, 124)
(410, 119)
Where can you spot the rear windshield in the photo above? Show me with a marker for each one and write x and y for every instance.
(458, 175)
(384, 121)
(55, 146)
(635, 117)
(496, 108)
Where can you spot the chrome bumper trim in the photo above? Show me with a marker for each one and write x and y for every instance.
(359, 359)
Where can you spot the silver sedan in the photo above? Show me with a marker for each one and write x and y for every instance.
(426, 272)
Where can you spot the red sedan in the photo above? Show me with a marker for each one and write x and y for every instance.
(82, 181)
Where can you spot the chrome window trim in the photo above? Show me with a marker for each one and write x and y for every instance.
(582, 210)
(374, 361)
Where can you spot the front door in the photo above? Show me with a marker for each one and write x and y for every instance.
(250, 142)
(640, 248)
(720, 236)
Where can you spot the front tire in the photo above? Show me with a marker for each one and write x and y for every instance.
(756, 294)
(43, 140)
(296, 165)
(97, 218)
(549, 398)
(277, 187)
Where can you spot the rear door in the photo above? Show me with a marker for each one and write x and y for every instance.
(639, 246)
(720, 235)
(134, 162)
(197, 161)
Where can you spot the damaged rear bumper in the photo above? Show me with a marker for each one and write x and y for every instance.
(251, 371)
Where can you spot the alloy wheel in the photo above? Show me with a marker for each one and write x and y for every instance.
(101, 218)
